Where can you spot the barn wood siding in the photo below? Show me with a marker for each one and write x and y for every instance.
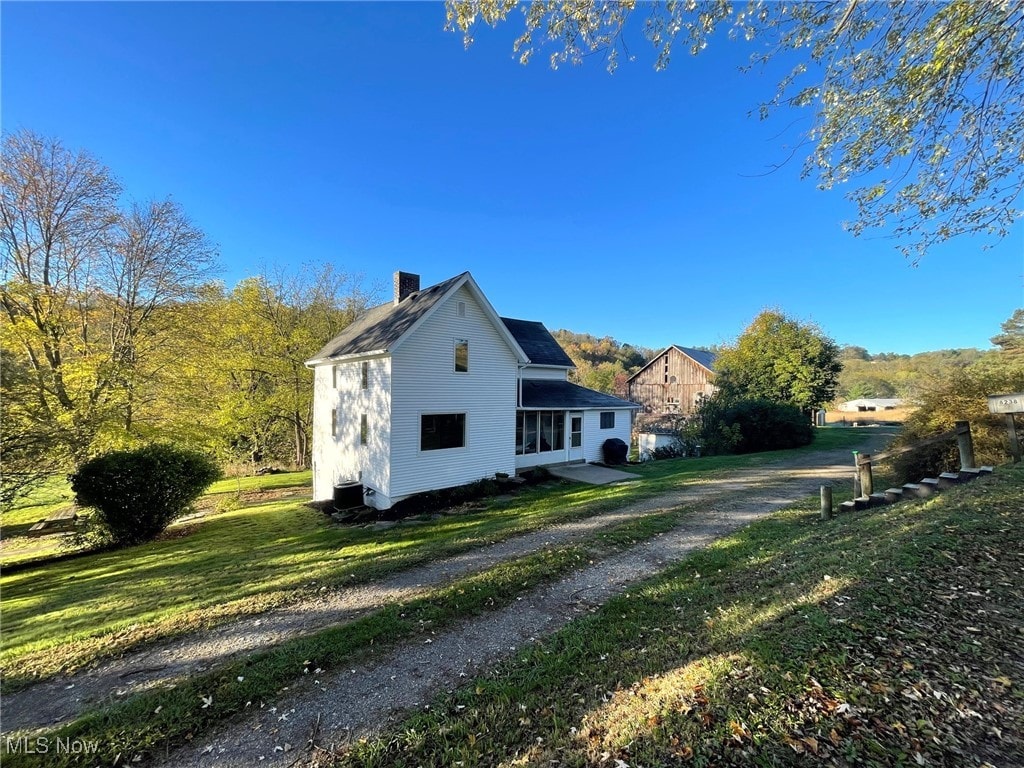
(653, 392)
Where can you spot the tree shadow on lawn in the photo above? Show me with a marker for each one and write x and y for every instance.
(235, 564)
(752, 607)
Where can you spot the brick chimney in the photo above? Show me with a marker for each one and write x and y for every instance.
(405, 284)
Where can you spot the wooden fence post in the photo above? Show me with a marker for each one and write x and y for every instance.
(856, 475)
(965, 444)
(1011, 431)
(826, 502)
(867, 485)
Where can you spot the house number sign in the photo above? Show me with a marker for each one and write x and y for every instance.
(1006, 403)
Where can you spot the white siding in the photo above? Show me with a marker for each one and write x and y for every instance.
(528, 460)
(594, 436)
(340, 457)
(540, 372)
(424, 381)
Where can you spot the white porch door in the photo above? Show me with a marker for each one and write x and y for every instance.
(575, 436)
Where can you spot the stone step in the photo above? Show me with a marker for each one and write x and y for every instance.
(893, 495)
(878, 500)
(915, 490)
(931, 483)
(847, 506)
(986, 470)
(949, 479)
(862, 502)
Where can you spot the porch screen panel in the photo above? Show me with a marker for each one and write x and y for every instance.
(540, 432)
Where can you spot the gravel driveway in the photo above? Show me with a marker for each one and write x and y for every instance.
(357, 702)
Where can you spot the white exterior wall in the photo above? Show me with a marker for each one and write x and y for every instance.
(528, 460)
(541, 372)
(424, 381)
(648, 442)
(340, 457)
(594, 436)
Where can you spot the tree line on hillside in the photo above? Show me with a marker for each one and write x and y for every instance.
(602, 363)
(893, 375)
(115, 334)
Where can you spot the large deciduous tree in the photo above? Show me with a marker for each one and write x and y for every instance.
(87, 293)
(271, 325)
(919, 104)
(782, 360)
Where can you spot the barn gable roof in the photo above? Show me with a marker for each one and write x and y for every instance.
(702, 357)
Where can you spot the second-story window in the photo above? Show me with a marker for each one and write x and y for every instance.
(462, 355)
(365, 373)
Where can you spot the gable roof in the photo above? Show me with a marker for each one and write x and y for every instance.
(701, 357)
(538, 344)
(557, 394)
(384, 327)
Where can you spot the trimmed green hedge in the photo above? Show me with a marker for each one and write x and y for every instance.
(138, 493)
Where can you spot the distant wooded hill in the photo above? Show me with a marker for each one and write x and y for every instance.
(891, 375)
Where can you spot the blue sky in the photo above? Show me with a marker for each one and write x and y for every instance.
(635, 205)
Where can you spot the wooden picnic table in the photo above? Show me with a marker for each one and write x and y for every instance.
(61, 520)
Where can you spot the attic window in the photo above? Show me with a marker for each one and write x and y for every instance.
(462, 355)
(461, 309)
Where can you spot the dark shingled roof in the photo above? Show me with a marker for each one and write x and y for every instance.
(539, 345)
(385, 324)
(558, 395)
(705, 358)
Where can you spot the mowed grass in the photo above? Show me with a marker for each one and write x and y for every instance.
(63, 615)
(887, 637)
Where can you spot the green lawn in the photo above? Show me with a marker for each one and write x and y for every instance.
(40, 503)
(889, 637)
(238, 562)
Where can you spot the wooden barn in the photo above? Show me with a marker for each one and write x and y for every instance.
(674, 381)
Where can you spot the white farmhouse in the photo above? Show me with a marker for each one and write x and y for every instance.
(434, 390)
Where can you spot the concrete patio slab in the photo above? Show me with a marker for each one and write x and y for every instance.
(591, 473)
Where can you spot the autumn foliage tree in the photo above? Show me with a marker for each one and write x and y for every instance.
(918, 105)
(961, 394)
(114, 335)
(85, 292)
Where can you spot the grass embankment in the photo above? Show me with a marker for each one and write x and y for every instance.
(62, 616)
(885, 637)
(159, 720)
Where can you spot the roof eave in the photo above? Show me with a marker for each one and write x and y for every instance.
(345, 358)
